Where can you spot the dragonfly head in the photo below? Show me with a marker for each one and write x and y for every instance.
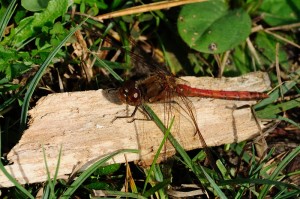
(130, 94)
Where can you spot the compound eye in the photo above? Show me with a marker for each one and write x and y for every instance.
(130, 94)
(136, 95)
(125, 92)
(133, 97)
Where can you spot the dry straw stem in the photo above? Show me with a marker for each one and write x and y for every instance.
(269, 31)
(143, 8)
(80, 123)
(253, 51)
(284, 27)
(282, 38)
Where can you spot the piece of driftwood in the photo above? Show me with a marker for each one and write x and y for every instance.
(80, 123)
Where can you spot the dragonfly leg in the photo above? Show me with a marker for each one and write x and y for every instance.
(126, 116)
(132, 116)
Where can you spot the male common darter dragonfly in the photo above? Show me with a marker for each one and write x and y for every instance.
(162, 86)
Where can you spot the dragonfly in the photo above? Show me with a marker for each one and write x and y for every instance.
(160, 85)
(168, 88)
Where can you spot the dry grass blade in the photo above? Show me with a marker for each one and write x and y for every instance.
(143, 8)
(284, 27)
(282, 38)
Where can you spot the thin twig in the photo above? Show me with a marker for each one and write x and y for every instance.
(224, 61)
(284, 27)
(142, 8)
(282, 38)
(253, 51)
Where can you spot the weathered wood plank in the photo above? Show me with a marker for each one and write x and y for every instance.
(80, 123)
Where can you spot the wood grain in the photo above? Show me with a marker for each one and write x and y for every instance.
(80, 123)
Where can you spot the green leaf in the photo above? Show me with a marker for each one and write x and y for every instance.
(268, 110)
(7, 54)
(157, 187)
(57, 28)
(267, 45)
(4, 80)
(34, 5)
(107, 170)
(272, 111)
(241, 60)
(98, 185)
(280, 12)
(8, 87)
(32, 25)
(15, 70)
(101, 4)
(209, 27)
(275, 95)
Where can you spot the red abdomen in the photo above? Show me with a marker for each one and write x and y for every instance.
(219, 94)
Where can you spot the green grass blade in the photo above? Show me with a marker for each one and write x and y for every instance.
(271, 111)
(278, 169)
(11, 178)
(46, 193)
(289, 120)
(51, 183)
(157, 187)
(16, 184)
(242, 181)
(166, 134)
(289, 194)
(58, 164)
(259, 166)
(181, 151)
(6, 17)
(39, 75)
(103, 63)
(174, 142)
(276, 94)
(109, 69)
(213, 183)
(73, 187)
(122, 194)
(159, 176)
(11, 100)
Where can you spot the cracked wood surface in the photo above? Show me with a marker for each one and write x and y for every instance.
(80, 123)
